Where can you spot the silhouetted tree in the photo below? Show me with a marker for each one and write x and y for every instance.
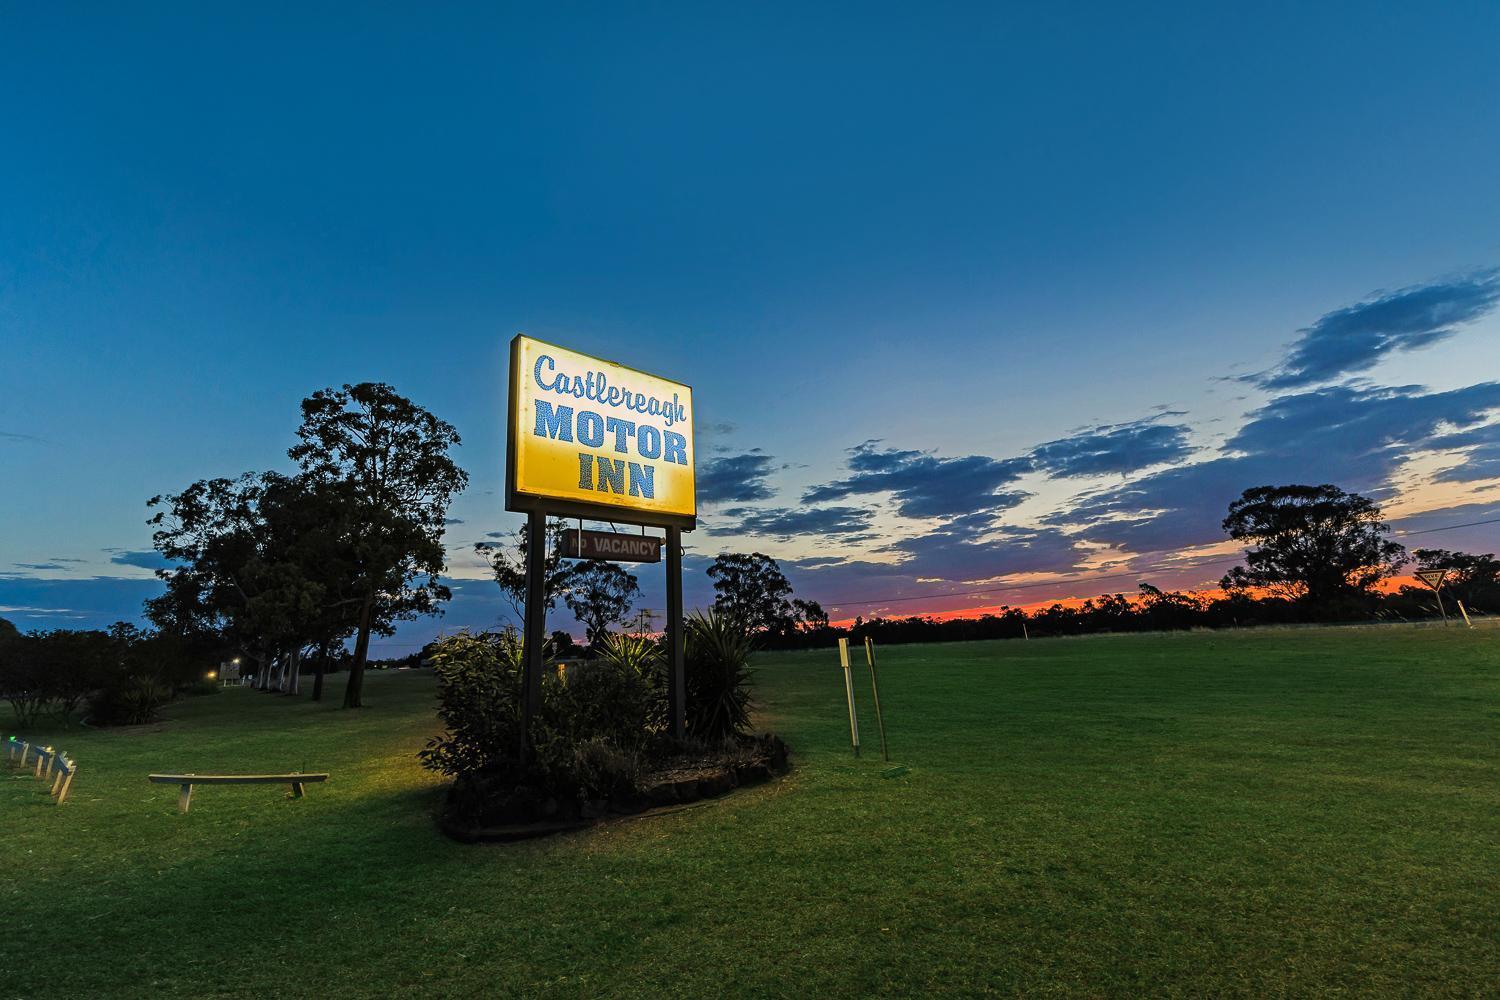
(390, 457)
(752, 590)
(1472, 579)
(1315, 544)
(508, 563)
(600, 594)
(809, 615)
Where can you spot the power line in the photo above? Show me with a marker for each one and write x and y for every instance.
(1449, 527)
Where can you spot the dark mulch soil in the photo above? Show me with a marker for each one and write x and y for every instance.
(521, 814)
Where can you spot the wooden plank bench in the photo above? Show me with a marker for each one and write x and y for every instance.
(59, 769)
(14, 744)
(187, 781)
(62, 777)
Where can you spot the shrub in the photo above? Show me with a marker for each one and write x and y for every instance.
(599, 699)
(479, 701)
(602, 770)
(140, 676)
(717, 676)
(642, 656)
(131, 700)
(599, 724)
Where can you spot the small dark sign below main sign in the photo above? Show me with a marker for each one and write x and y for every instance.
(616, 546)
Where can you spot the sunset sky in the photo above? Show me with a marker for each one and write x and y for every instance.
(976, 300)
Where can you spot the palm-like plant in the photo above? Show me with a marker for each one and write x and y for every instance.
(717, 676)
(634, 652)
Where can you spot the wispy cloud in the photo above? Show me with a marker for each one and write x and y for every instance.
(94, 602)
(1481, 447)
(1357, 337)
(736, 478)
(1114, 448)
(1354, 436)
(141, 558)
(925, 485)
(785, 522)
(971, 548)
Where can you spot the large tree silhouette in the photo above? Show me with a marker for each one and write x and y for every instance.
(1313, 544)
(752, 590)
(389, 458)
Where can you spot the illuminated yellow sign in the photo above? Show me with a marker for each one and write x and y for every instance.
(585, 432)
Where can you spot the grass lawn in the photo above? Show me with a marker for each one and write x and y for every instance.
(1274, 812)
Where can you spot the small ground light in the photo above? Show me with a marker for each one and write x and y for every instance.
(212, 674)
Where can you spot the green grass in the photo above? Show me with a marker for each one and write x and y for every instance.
(1277, 812)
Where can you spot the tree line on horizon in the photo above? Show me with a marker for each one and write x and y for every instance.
(284, 571)
(1313, 554)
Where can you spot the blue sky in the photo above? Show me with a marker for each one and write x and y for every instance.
(972, 297)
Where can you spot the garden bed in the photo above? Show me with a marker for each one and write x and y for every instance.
(522, 814)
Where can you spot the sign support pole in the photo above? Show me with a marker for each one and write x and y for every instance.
(676, 690)
(536, 617)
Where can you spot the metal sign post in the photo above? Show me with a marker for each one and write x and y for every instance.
(536, 618)
(676, 689)
(1434, 578)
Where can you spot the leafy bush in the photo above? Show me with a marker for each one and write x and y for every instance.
(641, 655)
(586, 739)
(599, 726)
(599, 699)
(602, 770)
(479, 701)
(717, 676)
(131, 700)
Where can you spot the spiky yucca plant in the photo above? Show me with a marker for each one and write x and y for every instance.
(717, 678)
(634, 652)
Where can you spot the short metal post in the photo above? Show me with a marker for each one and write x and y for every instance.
(185, 799)
(875, 690)
(849, 691)
(1465, 613)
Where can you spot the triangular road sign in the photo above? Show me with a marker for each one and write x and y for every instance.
(1432, 577)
